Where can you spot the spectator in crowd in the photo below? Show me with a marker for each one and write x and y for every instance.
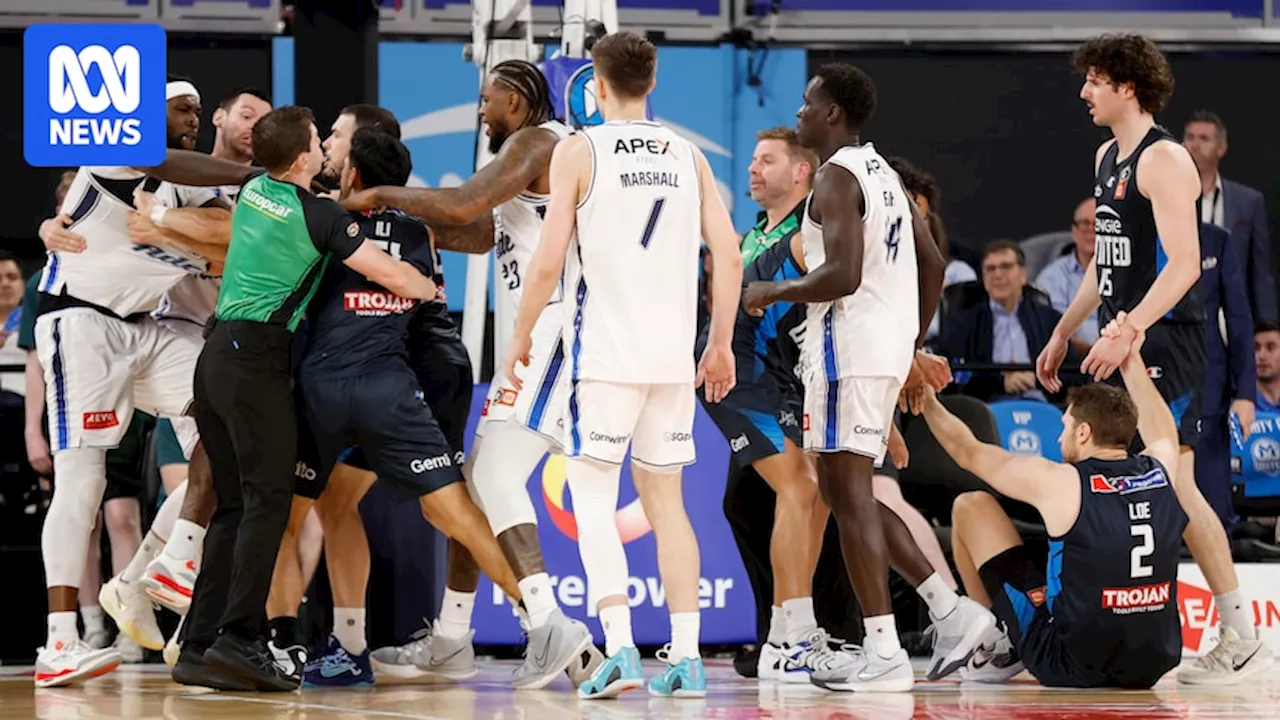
(1238, 209)
(1229, 379)
(1266, 353)
(927, 195)
(12, 381)
(1004, 329)
(1061, 278)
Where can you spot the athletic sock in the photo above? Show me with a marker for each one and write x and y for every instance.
(777, 627)
(348, 628)
(940, 598)
(684, 636)
(151, 546)
(284, 631)
(95, 619)
(799, 619)
(882, 635)
(455, 613)
(539, 601)
(1236, 614)
(187, 537)
(62, 627)
(616, 621)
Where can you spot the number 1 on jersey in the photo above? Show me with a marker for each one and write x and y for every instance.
(654, 213)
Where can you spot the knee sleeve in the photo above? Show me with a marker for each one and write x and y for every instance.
(169, 512)
(595, 503)
(499, 475)
(81, 480)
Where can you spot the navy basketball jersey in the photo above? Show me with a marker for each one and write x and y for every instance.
(1128, 255)
(357, 325)
(434, 337)
(1112, 578)
(770, 343)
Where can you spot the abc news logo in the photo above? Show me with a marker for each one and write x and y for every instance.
(94, 95)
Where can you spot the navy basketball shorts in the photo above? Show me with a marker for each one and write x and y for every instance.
(1175, 358)
(385, 414)
(755, 417)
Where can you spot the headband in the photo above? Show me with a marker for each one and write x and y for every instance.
(178, 88)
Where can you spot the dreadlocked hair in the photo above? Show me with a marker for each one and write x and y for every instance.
(525, 78)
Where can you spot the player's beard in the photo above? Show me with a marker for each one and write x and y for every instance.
(498, 136)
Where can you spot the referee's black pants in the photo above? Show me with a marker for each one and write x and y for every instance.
(245, 412)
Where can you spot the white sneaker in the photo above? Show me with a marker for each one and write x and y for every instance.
(291, 660)
(130, 606)
(868, 673)
(958, 635)
(1233, 661)
(170, 582)
(173, 648)
(995, 660)
(769, 663)
(815, 654)
(70, 662)
(130, 652)
(98, 639)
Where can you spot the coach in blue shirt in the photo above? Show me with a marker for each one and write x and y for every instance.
(1230, 374)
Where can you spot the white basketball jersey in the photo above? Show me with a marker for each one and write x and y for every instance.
(872, 332)
(113, 272)
(633, 265)
(517, 228)
(195, 297)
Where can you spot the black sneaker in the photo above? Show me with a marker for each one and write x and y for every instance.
(191, 669)
(744, 662)
(249, 660)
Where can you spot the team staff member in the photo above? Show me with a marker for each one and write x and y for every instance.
(281, 237)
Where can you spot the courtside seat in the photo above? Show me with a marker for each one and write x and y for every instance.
(1029, 427)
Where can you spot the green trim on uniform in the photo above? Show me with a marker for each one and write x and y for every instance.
(760, 238)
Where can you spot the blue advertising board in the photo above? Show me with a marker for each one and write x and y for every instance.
(701, 93)
(1029, 427)
(728, 606)
(1234, 8)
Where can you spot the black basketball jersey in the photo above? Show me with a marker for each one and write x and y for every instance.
(357, 325)
(434, 338)
(1112, 578)
(1128, 254)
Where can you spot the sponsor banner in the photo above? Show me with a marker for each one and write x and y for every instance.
(728, 607)
(1260, 585)
(1255, 461)
(1029, 427)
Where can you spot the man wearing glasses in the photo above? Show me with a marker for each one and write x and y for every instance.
(1061, 278)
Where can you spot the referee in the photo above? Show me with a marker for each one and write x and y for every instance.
(282, 237)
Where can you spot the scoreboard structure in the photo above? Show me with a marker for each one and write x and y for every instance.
(800, 22)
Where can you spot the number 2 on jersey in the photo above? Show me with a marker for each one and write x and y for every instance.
(652, 224)
(1144, 548)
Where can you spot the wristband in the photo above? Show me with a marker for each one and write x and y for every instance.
(157, 215)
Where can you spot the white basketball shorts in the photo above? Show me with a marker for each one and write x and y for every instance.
(184, 427)
(540, 404)
(849, 414)
(655, 420)
(97, 369)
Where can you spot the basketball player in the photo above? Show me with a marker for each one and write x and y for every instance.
(874, 272)
(1093, 616)
(1146, 265)
(629, 201)
(85, 301)
(519, 427)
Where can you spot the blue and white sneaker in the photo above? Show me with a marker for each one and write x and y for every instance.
(338, 668)
(684, 679)
(616, 675)
(819, 652)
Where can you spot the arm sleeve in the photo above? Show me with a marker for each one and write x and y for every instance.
(333, 229)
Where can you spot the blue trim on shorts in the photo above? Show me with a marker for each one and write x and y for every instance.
(1053, 574)
(51, 274)
(768, 426)
(580, 300)
(833, 380)
(1022, 609)
(549, 381)
(60, 387)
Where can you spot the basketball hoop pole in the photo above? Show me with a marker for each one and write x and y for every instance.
(577, 14)
(501, 30)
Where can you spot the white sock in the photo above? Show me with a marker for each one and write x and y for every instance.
(616, 621)
(521, 615)
(62, 626)
(684, 636)
(800, 623)
(882, 635)
(1236, 614)
(777, 627)
(539, 601)
(187, 538)
(151, 546)
(940, 598)
(348, 628)
(95, 619)
(455, 613)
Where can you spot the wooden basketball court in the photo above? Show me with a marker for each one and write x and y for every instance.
(145, 692)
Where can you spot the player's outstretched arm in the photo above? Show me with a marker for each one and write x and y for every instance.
(931, 270)
(522, 159)
(1028, 478)
(474, 239)
(397, 276)
(1155, 421)
(837, 198)
(1167, 176)
(187, 167)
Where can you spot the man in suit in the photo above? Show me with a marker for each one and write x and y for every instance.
(1239, 210)
(1230, 374)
